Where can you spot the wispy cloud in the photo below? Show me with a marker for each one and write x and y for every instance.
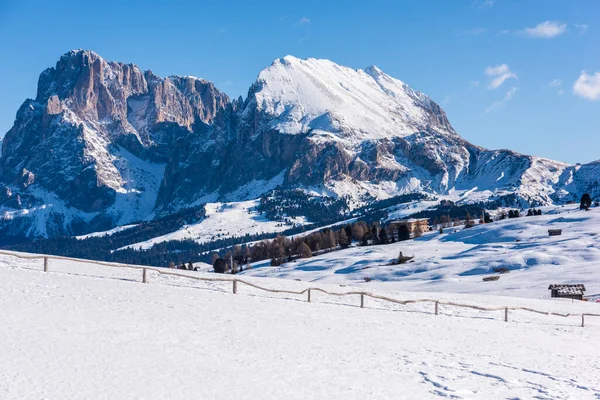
(555, 83)
(227, 83)
(481, 4)
(545, 30)
(474, 84)
(472, 32)
(499, 75)
(303, 21)
(503, 32)
(501, 103)
(588, 86)
(222, 30)
(582, 28)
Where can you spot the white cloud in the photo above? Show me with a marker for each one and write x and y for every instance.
(503, 32)
(555, 83)
(474, 84)
(582, 28)
(304, 21)
(588, 86)
(499, 104)
(546, 30)
(499, 74)
(561, 92)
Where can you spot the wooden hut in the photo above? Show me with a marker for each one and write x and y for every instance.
(554, 232)
(567, 291)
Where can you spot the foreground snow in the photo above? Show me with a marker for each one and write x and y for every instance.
(85, 331)
(456, 260)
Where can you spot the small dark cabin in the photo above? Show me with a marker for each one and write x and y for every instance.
(567, 291)
(554, 232)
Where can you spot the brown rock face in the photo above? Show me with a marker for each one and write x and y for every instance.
(69, 141)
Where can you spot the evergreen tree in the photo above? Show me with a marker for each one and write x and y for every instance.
(403, 232)
(220, 266)
(383, 237)
(586, 202)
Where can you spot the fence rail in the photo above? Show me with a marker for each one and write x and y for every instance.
(236, 281)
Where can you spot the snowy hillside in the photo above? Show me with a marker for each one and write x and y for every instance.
(456, 260)
(84, 331)
(224, 220)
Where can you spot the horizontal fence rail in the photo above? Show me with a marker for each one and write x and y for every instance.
(236, 281)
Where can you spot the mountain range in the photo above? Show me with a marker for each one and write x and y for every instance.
(105, 143)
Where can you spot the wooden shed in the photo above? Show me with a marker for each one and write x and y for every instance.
(554, 232)
(567, 291)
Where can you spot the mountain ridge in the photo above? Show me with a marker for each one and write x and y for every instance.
(105, 143)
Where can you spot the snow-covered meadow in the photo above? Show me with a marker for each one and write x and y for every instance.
(86, 331)
(456, 260)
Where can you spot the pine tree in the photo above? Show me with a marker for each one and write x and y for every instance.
(586, 202)
(403, 232)
(383, 237)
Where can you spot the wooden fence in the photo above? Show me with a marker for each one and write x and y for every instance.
(308, 291)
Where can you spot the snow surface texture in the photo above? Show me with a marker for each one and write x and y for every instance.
(223, 220)
(85, 331)
(456, 260)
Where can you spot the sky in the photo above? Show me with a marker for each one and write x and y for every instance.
(511, 74)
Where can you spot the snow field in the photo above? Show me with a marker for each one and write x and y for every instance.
(69, 336)
(456, 260)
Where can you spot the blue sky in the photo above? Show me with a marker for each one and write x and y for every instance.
(515, 74)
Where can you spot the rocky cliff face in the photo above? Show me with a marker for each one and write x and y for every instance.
(93, 144)
(105, 143)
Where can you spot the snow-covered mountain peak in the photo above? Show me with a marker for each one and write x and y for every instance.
(321, 96)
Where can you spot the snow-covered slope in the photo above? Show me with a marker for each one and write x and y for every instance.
(456, 260)
(321, 97)
(224, 220)
(68, 335)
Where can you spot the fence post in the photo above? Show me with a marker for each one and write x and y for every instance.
(436, 308)
(144, 277)
(45, 264)
(506, 314)
(582, 320)
(362, 300)
(235, 286)
(309, 295)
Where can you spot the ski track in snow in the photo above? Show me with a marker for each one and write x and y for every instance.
(85, 331)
